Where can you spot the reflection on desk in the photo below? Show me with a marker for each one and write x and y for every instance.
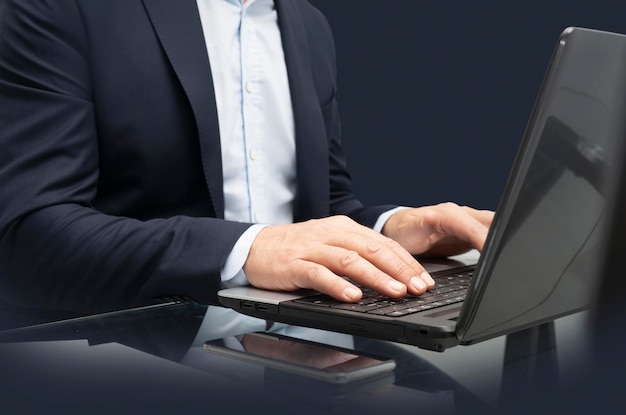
(151, 359)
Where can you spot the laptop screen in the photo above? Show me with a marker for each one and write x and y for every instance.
(543, 263)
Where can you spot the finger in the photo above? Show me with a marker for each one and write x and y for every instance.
(483, 216)
(387, 255)
(390, 257)
(349, 263)
(308, 274)
(465, 227)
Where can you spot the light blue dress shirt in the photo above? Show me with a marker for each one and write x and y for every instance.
(255, 117)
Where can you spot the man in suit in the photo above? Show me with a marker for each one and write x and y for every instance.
(170, 148)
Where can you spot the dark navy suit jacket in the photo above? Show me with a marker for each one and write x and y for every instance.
(110, 167)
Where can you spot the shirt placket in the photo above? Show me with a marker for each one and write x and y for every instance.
(251, 73)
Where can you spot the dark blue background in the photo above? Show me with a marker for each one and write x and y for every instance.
(435, 95)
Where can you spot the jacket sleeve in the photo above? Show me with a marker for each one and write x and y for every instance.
(56, 250)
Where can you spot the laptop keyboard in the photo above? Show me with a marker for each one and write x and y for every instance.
(449, 289)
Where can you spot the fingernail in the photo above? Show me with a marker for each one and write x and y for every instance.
(426, 277)
(395, 285)
(352, 292)
(418, 284)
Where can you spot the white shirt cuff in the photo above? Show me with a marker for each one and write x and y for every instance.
(232, 271)
(382, 219)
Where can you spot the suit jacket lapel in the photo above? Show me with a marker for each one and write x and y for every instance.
(178, 26)
(312, 198)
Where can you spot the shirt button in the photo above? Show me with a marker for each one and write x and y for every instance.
(249, 87)
(258, 217)
(253, 154)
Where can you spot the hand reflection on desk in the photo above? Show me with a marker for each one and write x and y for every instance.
(416, 381)
(304, 354)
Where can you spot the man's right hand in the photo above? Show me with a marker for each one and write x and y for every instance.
(318, 253)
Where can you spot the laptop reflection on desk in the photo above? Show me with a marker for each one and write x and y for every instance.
(541, 257)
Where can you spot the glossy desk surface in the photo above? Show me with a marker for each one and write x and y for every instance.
(150, 360)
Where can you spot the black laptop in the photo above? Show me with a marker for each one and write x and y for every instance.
(541, 257)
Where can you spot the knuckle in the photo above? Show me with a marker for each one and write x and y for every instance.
(449, 205)
(392, 243)
(374, 247)
(403, 269)
(376, 278)
(431, 216)
(312, 272)
(343, 220)
(349, 258)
